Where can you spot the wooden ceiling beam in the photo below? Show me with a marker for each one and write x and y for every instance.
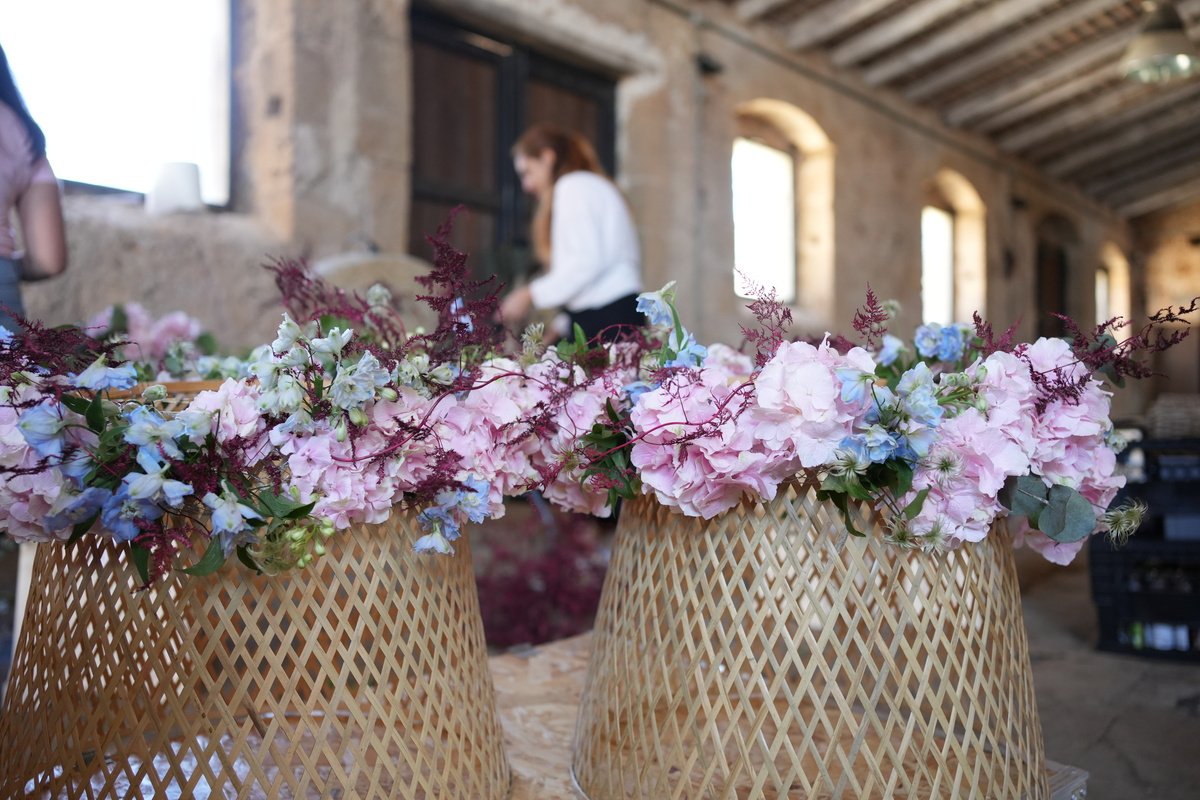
(751, 10)
(1133, 133)
(1073, 118)
(1050, 98)
(890, 32)
(1028, 85)
(1155, 170)
(1187, 191)
(827, 21)
(984, 58)
(1157, 101)
(982, 24)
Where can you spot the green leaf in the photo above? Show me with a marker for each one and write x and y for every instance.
(913, 508)
(120, 321)
(212, 561)
(76, 403)
(1068, 516)
(81, 528)
(95, 415)
(283, 507)
(902, 479)
(207, 343)
(140, 557)
(1024, 496)
(244, 556)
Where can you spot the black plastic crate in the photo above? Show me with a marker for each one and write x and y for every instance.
(1147, 594)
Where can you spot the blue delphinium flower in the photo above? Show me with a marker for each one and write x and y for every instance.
(893, 348)
(687, 353)
(950, 348)
(230, 514)
(657, 305)
(120, 514)
(928, 339)
(474, 500)
(153, 484)
(918, 398)
(442, 527)
(636, 389)
(854, 383)
(150, 430)
(42, 426)
(99, 376)
(71, 509)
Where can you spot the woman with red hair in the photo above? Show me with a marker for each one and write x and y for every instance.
(582, 233)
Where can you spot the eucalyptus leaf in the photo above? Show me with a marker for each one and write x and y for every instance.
(1024, 496)
(1068, 516)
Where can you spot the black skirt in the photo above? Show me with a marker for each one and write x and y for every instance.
(607, 323)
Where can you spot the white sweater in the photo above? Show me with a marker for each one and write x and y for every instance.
(594, 253)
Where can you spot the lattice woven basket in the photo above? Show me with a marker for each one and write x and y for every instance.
(751, 656)
(363, 676)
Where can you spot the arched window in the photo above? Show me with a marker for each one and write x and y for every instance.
(782, 181)
(1057, 246)
(1112, 286)
(953, 250)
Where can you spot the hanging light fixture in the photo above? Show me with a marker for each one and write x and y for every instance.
(1162, 50)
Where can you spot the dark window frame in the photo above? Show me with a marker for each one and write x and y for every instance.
(517, 64)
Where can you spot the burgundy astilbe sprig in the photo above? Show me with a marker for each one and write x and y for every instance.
(307, 297)
(871, 320)
(1100, 353)
(162, 543)
(464, 307)
(989, 344)
(773, 317)
(54, 351)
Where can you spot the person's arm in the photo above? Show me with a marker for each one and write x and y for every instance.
(42, 230)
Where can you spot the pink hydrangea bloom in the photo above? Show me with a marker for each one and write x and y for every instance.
(800, 412)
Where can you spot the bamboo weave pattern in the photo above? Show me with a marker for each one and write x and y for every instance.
(749, 656)
(364, 676)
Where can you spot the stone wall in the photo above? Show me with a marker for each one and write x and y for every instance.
(323, 158)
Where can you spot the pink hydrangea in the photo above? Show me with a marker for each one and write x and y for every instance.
(801, 413)
(706, 475)
(964, 472)
(235, 416)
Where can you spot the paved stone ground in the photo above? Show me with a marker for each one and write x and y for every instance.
(1131, 722)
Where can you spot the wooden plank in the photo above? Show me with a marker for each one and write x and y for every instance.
(892, 31)
(1124, 195)
(984, 23)
(1026, 85)
(1178, 195)
(1006, 47)
(1157, 99)
(1058, 96)
(1137, 127)
(1071, 119)
(751, 10)
(1149, 173)
(823, 23)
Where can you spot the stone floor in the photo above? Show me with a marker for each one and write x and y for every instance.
(1131, 722)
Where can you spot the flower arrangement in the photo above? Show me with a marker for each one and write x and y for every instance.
(942, 436)
(347, 415)
(325, 427)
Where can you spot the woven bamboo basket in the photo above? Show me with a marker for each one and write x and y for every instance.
(364, 676)
(755, 655)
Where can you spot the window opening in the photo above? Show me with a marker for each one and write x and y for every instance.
(764, 219)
